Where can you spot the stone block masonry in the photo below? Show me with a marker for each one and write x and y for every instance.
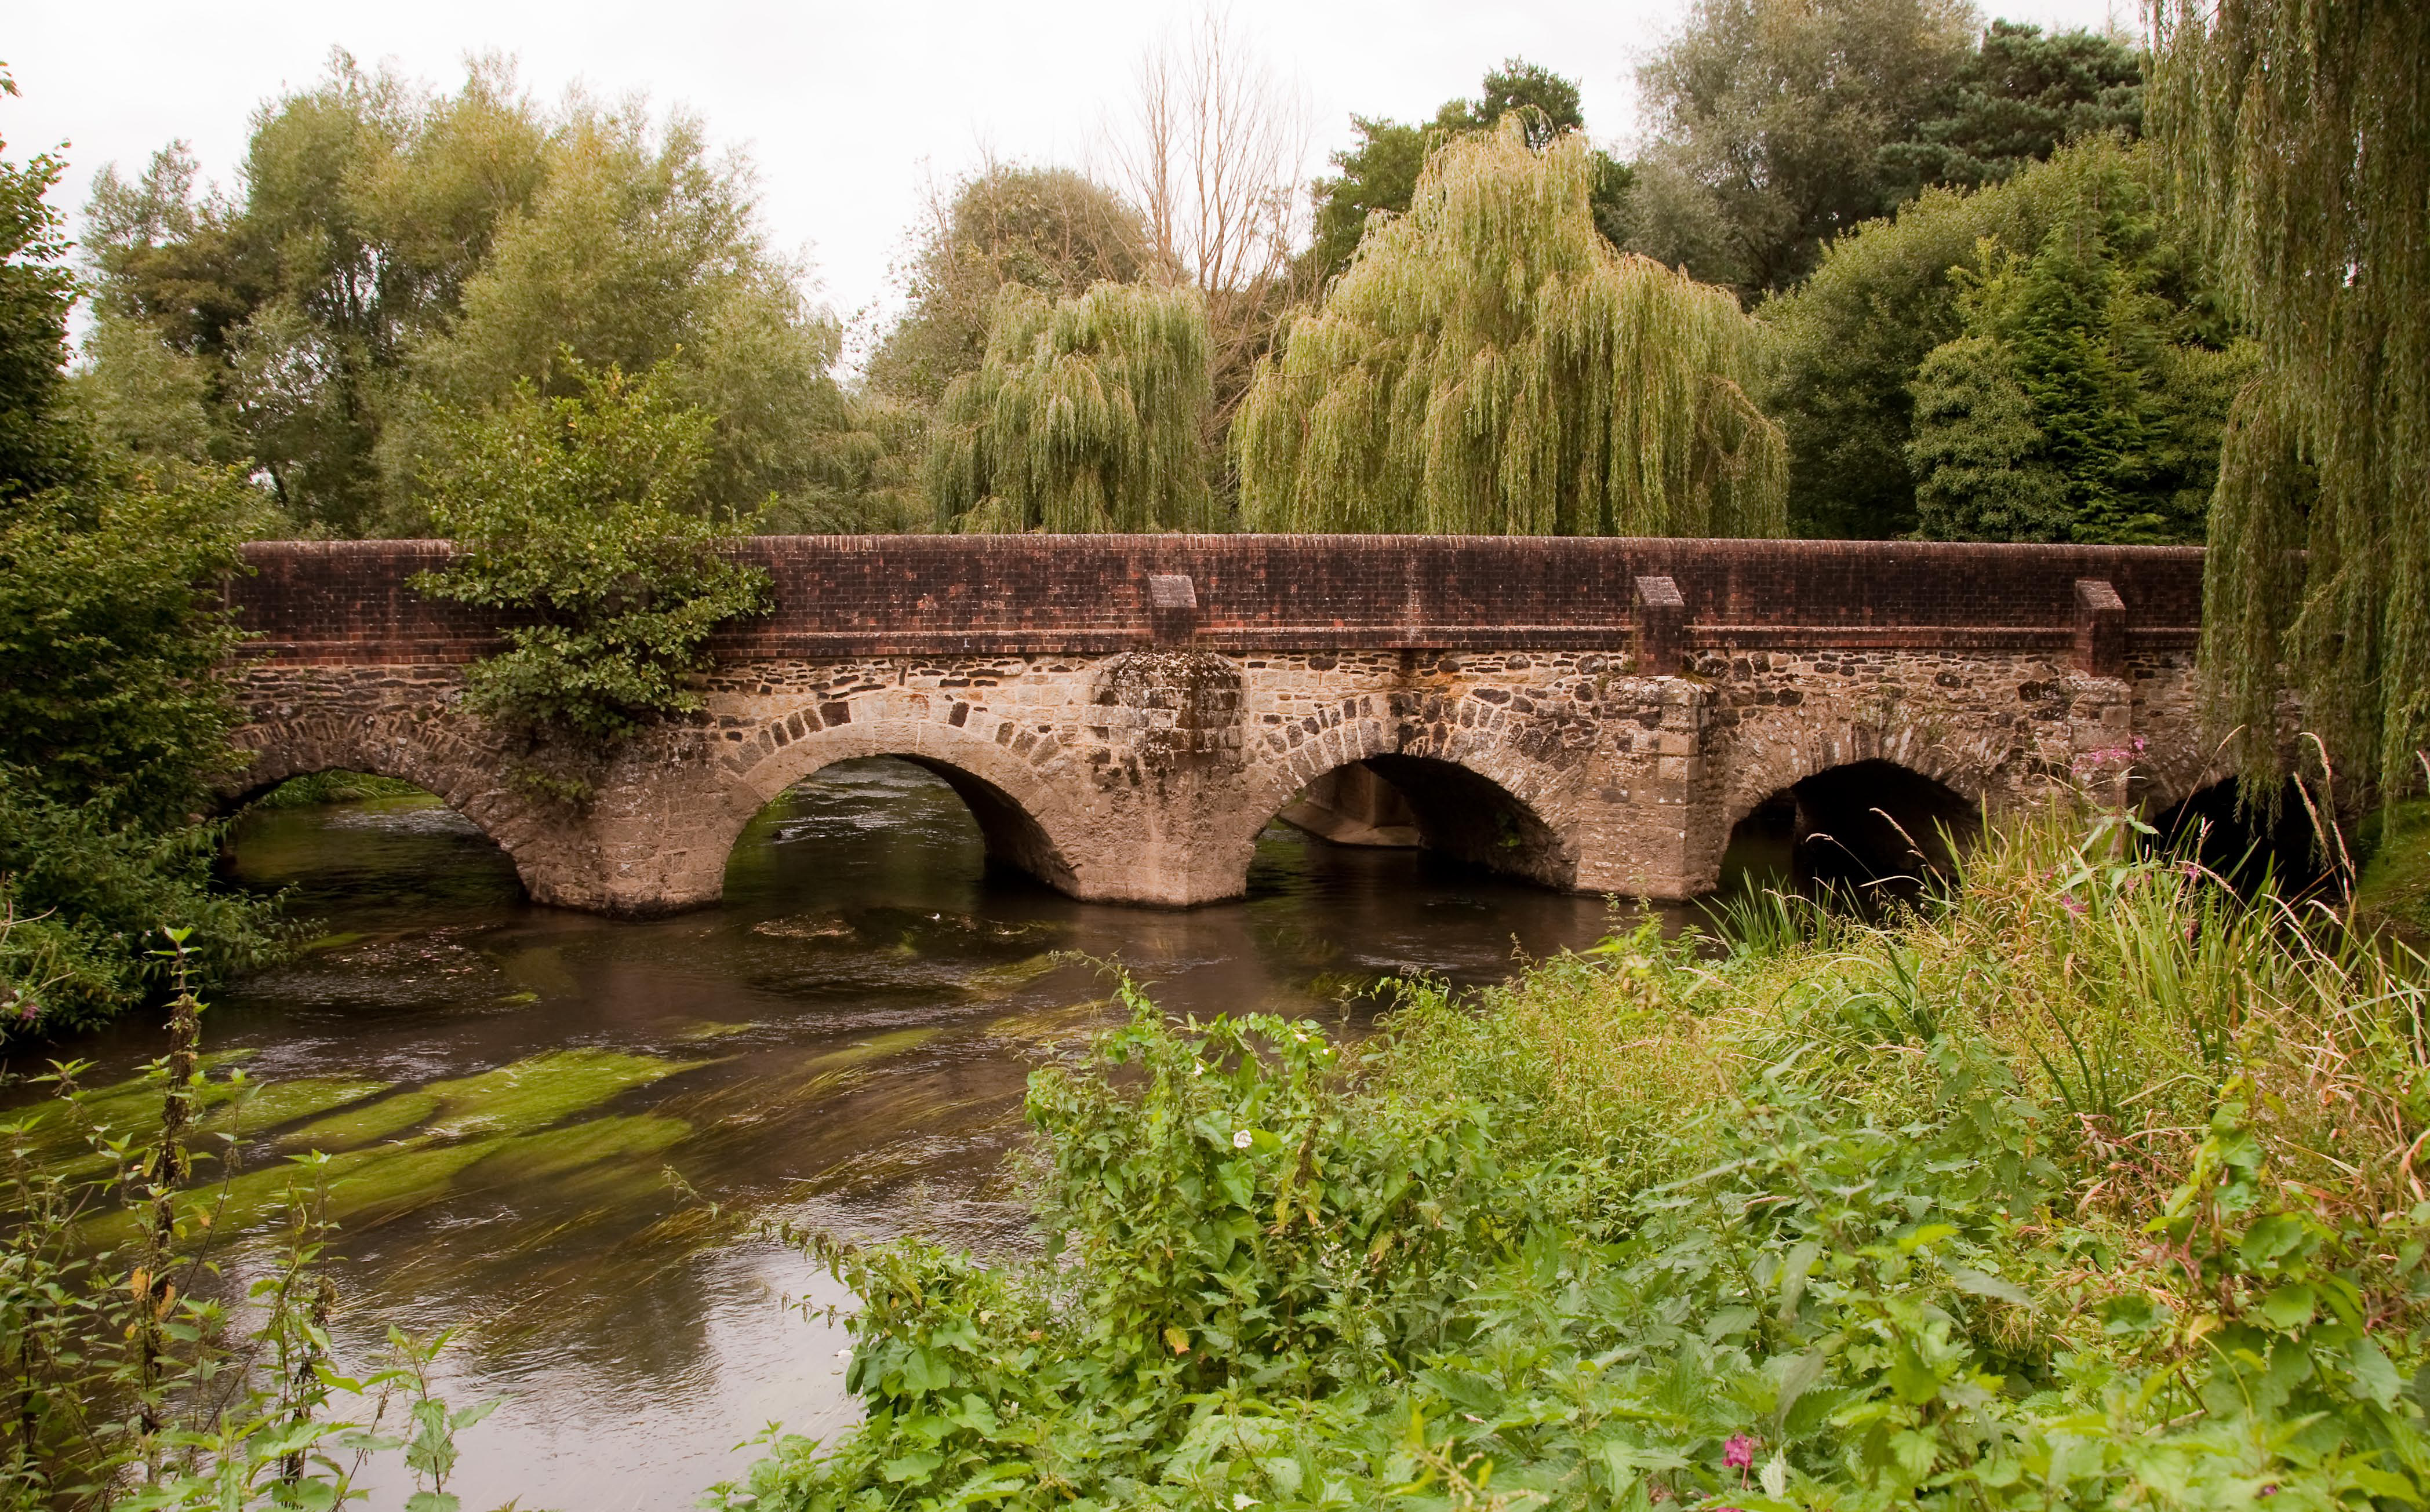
(1124, 714)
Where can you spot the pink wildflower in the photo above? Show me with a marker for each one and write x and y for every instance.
(1739, 1452)
(2072, 905)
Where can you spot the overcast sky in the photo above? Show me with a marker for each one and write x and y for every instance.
(846, 107)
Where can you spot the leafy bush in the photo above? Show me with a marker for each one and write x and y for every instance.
(580, 516)
(2089, 1188)
(114, 721)
(130, 1387)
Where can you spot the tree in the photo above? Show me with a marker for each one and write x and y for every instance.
(38, 449)
(395, 253)
(1048, 229)
(1768, 120)
(2020, 98)
(1212, 158)
(114, 717)
(1085, 414)
(587, 516)
(1381, 172)
(2299, 146)
(2066, 412)
(1488, 365)
(640, 252)
(1850, 341)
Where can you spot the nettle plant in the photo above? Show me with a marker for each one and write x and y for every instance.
(580, 515)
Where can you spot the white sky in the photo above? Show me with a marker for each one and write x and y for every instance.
(846, 107)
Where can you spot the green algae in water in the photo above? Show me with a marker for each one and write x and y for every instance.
(355, 1127)
(521, 1098)
(1002, 981)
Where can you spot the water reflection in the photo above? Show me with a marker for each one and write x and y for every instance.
(540, 1105)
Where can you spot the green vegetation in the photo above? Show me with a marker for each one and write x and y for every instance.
(131, 1385)
(334, 788)
(113, 723)
(584, 515)
(1084, 414)
(2018, 99)
(2092, 1186)
(396, 256)
(2109, 409)
(2066, 411)
(2301, 154)
(1380, 174)
(2394, 887)
(1489, 366)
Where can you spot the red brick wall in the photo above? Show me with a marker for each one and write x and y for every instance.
(349, 602)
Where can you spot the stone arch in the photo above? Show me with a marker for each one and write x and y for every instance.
(1775, 754)
(1018, 789)
(1863, 825)
(1475, 797)
(551, 852)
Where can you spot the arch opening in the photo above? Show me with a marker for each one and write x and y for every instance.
(347, 835)
(1868, 829)
(1406, 802)
(2238, 841)
(897, 816)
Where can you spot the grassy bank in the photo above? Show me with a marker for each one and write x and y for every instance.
(2096, 1187)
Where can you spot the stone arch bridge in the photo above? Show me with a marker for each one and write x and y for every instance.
(1124, 714)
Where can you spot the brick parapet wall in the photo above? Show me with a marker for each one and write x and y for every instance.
(351, 602)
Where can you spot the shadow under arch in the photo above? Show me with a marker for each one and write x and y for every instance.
(385, 843)
(1018, 814)
(2243, 842)
(1426, 802)
(510, 820)
(1868, 828)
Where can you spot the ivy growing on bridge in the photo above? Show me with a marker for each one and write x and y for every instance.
(580, 516)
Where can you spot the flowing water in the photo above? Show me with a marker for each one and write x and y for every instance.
(557, 1130)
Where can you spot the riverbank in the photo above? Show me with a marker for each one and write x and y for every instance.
(2097, 1186)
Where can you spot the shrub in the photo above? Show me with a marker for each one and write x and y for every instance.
(2088, 1187)
(580, 516)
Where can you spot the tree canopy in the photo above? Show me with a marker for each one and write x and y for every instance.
(2020, 97)
(1084, 414)
(391, 251)
(1380, 172)
(1049, 229)
(2298, 135)
(1850, 343)
(1489, 365)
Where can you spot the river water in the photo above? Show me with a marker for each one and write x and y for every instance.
(558, 1131)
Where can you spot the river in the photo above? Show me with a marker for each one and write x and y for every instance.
(559, 1132)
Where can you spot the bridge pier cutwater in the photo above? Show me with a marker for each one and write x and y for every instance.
(1124, 714)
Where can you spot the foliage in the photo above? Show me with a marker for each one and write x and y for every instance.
(1852, 1216)
(1489, 366)
(396, 254)
(2394, 847)
(131, 1385)
(2300, 149)
(1768, 119)
(40, 448)
(114, 721)
(2066, 412)
(2020, 98)
(1380, 172)
(583, 517)
(1047, 229)
(1085, 414)
(1850, 343)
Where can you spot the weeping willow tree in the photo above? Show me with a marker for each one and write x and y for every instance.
(1084, 414)
(2298, 134)
(1489, 366)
